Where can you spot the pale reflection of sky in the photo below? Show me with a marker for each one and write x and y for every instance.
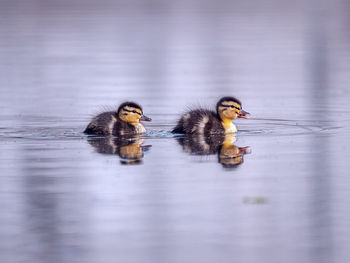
(62, 61)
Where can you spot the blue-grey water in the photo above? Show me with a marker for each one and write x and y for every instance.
(66, 197)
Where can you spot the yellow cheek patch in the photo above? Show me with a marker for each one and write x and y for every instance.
(130, 115)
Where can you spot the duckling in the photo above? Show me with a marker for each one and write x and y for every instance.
(201, 121)
(125, 121)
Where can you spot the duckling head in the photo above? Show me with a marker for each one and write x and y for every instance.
(132, 113)
(230, 108)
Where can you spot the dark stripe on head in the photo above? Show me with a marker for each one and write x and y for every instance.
(229, 99)
(129, 104)
(133, 111)
(229, 106)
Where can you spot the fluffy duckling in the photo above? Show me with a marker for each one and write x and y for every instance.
(201, 121)
(125, 121)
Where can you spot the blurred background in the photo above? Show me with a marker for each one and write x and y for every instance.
(61, 62)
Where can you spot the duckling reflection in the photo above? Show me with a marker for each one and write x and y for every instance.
(229, 155)
(129, 149)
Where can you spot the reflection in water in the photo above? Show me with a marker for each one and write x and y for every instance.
(129, 148)
(229, 155)
(288, 60)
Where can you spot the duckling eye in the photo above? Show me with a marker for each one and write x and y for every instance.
(134, 111)
(231, 106)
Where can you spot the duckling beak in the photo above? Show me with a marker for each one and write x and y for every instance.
(145, 118)
(243, 114)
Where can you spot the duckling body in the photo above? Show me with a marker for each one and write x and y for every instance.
(125, 121)
(201, 121)
(108, 123)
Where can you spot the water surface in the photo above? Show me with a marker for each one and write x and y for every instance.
(67, 197)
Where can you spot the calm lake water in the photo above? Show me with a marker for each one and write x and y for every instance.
(66, 197)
